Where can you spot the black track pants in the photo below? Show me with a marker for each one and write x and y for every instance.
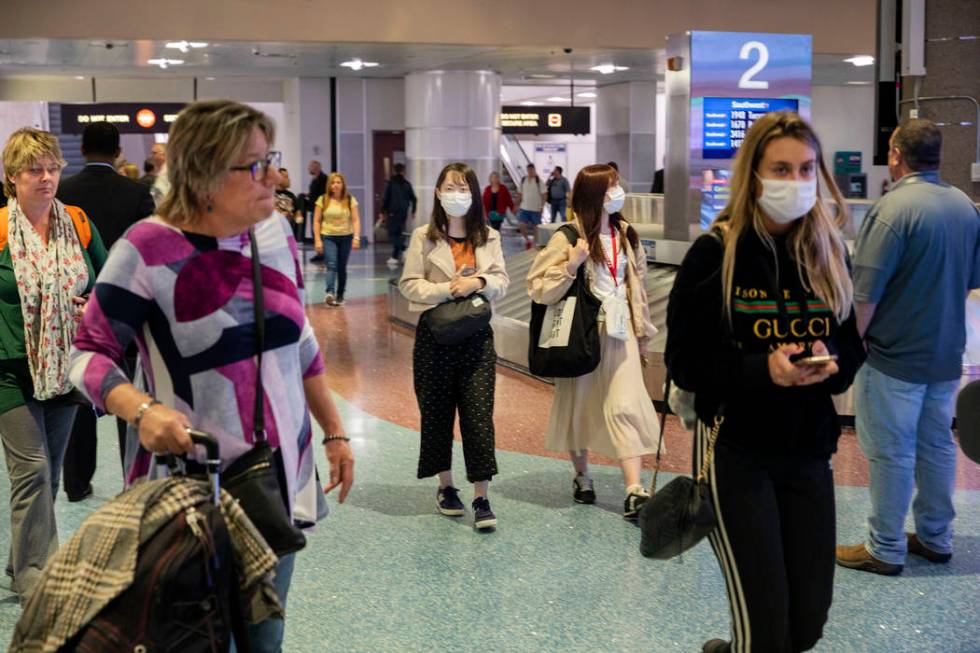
(775, 543)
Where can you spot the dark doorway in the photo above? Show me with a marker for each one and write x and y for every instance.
(389, 149)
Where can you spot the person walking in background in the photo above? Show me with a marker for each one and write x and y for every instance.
(497, 201)
(916, 258)
(129, 170)
(161, 184)
(287, 206)
(530, 198)
(114, 204)
(455, 255)
(223, 176)
(398, 206)
(607, 410)
(50, 254)
(149, 173)
(768, 285)
(317, 189)
(336, 230)
(558, 190)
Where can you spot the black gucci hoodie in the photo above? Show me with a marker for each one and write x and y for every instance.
(728, 366)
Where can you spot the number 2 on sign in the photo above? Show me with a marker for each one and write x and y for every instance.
(746, 80)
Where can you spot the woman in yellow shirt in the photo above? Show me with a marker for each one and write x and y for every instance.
(336, 229)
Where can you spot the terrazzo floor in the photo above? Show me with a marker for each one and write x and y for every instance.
(386, 573)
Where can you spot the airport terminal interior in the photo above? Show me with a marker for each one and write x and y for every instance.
(664, 91)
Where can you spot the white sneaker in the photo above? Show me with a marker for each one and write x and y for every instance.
(392, 263)
(329, 300)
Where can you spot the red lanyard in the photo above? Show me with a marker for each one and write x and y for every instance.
(614, 266)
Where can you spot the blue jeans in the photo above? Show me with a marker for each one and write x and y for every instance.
(558, 210)
(904, 430)
(266, 636)
(336, 251)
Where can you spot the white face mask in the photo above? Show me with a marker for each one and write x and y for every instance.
(616, 197)
(785, 200)
(456, 204)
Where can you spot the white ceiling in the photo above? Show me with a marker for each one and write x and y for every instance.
(518, 66)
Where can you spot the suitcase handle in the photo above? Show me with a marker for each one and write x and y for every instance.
(212, 461)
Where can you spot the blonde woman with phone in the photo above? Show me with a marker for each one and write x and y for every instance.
(761, 328)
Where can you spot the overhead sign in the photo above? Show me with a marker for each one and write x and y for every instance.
(129, 118)
(736, 78)
(727, 119)
(545, 120)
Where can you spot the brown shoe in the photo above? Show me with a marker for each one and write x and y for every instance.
(857, 556)
(918, 548)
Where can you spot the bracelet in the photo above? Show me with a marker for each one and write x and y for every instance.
(334, 438)
(143, 407)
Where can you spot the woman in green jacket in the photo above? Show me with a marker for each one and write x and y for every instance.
(50, 255)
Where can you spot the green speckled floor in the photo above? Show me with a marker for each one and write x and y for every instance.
(386, 573)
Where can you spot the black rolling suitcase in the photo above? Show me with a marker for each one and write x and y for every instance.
(184, 595)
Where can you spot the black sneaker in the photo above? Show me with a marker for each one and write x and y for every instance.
(483, 517)
(582, 489)
(716, 646)
(339, 301)
(447, 500)
(634, 502)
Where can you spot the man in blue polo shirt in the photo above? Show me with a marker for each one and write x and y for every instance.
(916, 259)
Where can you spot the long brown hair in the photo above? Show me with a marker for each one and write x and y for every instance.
(815, 241)
(477, 232)
(588, 196)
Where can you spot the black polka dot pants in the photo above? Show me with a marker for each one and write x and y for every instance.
(450, 378)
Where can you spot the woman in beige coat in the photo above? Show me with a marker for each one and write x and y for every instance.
(455, 255)
(607, 410)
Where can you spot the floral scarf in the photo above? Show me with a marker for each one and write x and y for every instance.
(48, 277)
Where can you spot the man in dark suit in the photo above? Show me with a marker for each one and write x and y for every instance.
(113, 203)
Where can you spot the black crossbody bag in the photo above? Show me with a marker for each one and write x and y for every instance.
(257, 478)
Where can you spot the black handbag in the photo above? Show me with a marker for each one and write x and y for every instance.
(681, 514)
(257, 478)
(453, 322)
(564, 337)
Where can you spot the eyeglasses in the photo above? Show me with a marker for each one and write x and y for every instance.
(260, 167)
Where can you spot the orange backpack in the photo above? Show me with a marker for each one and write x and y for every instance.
(82, 226)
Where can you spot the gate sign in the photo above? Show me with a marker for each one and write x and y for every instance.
(129, 118)
(737, 77)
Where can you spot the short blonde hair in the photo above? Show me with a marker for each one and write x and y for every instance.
(205, 141)
(25, 147)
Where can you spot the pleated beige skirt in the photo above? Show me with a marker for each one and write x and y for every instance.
(608, 410)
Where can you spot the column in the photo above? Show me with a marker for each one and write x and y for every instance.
(450, 116)
(626, 127)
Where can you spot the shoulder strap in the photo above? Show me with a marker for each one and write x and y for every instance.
(4, 223)
(571, 233)
(82, 225)
(78, 217)
(258, 307)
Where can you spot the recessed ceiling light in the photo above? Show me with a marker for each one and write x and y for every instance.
(852, 83)
(541, 76)
(210, 79)
(588, 94)
(357, 64)
(608, 68)
(558, 99)
(861, 60)
(79, 77)
(530, 103)
(185, 46)
(164, 63)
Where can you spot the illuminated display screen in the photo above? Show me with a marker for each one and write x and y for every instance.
(544, 120)
(727, 119)
(129, 118)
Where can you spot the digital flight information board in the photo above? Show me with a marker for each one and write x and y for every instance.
(727, 119)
